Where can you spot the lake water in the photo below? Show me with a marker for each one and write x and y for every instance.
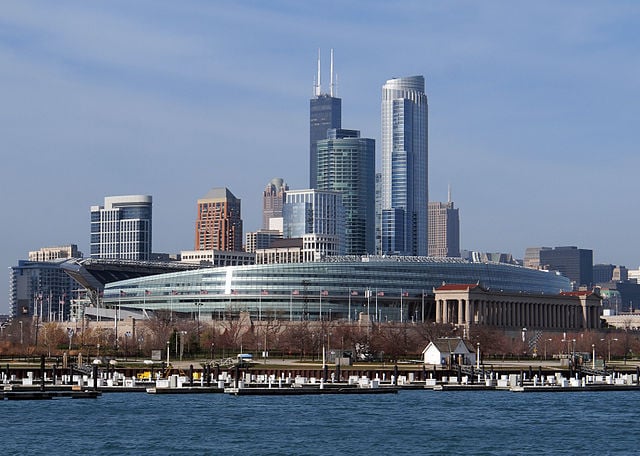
(410, 422)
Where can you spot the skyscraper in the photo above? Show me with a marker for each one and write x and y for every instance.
(325, 112)
(404, 190)
(346, 164)
(218, 225)
(572, 262)
(318, 218)
(121, 229)
(444, 229)
(273, 199)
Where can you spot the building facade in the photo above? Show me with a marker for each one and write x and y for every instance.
(346, 164)
(41, 289)
(122, 228)
(217, 258)
(318, 218)
(325, 112)
(261, 239)
(55, 253)
(444, 230)
(382, 288)
(466, 304)
(572, 262)
(219, 222)
(404, 190)
(273, 199)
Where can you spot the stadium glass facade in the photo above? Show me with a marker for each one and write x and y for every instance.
(383, 288)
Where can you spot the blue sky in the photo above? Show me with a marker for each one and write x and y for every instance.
(533, 111)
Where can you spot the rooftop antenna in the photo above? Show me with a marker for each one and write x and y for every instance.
(318, 90)
(331, 73)
(449, 194)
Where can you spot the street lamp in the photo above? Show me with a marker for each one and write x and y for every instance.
(609, 347)
(545, 348)
(478, 356)
(21, 338)
(593, 359)
(168, 353)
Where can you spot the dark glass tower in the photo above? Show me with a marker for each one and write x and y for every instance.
(346, 164)
(325, 112)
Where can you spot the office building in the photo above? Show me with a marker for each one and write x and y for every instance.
(217, 258)
(404, 190)
(532, 257)
(574, 263)
(55, 253)
(318, 218)
(261, 239)
(378, 211)
(121, 229)
(346, 164)
(444, 229)
(219, 223)
(325, 112)
(273, 199)
(41, 289)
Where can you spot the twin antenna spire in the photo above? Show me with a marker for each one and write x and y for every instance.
(317, 85)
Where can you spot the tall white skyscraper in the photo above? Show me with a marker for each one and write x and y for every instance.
(121, 229)
(404, 190)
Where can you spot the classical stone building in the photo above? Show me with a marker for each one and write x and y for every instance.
(466, 304)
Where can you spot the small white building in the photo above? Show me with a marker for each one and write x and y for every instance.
(449, 351)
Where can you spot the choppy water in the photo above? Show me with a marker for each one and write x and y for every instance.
(411, 422)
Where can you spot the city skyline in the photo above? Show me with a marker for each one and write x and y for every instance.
(118, 99)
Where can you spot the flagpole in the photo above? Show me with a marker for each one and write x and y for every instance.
(320, 305)
(291, 306)
(377, 319)
(349, 304)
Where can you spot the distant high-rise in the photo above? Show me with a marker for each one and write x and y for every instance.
(121, 229)
(404, 192)
(346, 164)
(574, 263)
(273, 199)
(325, 112)
(219, 223)
(318, 218)
(444, 229)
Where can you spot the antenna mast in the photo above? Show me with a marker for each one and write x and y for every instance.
(331, 83)
(318, 90)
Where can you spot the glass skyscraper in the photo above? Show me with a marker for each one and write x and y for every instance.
(325, 112)
(404, 191)
(346, 164)
(121, 229)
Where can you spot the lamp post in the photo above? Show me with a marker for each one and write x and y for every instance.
(478, 356)
(545, 348)
(21, 338)
(168, 353)
(593, 356)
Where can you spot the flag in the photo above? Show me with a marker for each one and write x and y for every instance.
(295, 292)
(234, 292)
(405, 293)
(264, 292)
(354, 293)
(122, 293)
(204, 292)
(324, 293)
(147, 292)
(174, 292)
(381, 293)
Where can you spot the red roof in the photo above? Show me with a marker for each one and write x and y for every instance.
(576, 293)
(457, 287)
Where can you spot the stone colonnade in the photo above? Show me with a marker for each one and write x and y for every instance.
(474, 305)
